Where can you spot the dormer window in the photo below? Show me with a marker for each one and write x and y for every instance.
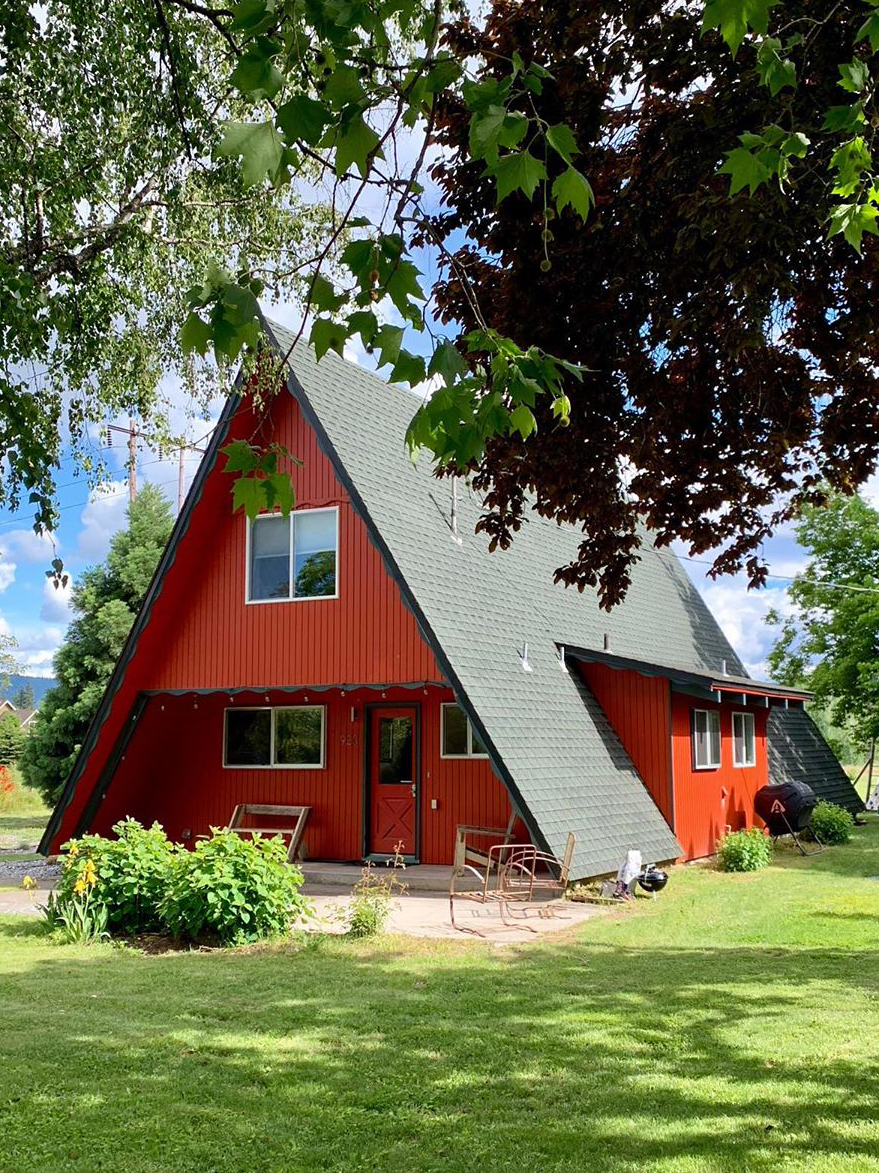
(293, 557)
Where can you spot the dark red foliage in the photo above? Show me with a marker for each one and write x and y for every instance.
(732, 348)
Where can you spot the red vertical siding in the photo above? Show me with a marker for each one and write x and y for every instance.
(173, 772)
(707, 801)
(202, 634)
(638, 708)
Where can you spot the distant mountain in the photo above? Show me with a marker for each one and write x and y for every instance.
(40, 685)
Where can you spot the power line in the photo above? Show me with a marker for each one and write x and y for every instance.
(839, 586)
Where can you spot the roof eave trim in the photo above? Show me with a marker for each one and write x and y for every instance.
(705, 680)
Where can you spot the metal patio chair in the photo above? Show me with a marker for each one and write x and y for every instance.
(508, 874)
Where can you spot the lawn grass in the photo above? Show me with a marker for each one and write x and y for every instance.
(23, 816)
(730, 1025)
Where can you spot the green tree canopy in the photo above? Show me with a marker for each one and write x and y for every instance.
(110, 210)
(105, 602)
(142, 142)
(830, 642)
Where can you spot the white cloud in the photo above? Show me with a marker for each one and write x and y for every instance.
(7, 573)
(27, 546)
(741, 614)
(56, 602)
(36, 645)
(101, 518)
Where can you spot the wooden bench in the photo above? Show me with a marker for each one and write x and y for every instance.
(299, 813)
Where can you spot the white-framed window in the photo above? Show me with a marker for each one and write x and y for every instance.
(458, 739)
(744, 740)
(293, 557)
(289, 737)
(706, 739)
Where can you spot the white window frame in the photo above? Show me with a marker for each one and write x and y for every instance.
(744, 715)
(273, 765)
(707, 765)
(480, 757)
(247, 560)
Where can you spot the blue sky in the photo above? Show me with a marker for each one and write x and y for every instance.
(37, 614)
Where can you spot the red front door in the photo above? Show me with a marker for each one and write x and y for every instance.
(393, 783)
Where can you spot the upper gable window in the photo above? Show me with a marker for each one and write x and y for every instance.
(706, 739)
(293, 557)
(458, 739)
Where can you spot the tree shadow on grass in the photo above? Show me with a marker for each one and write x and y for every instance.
(439, 1057)
(23, 926)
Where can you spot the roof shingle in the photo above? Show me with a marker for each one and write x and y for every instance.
(799, 753)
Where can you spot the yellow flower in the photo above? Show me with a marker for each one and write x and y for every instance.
(28, 883)
(73, 848)
(79, 887)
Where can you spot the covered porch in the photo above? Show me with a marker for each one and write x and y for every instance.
(378, 766)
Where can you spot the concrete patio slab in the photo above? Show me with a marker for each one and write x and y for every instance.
(417, 914)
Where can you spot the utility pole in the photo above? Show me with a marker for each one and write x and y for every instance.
(132, 436)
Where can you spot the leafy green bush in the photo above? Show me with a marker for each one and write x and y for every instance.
(133, 871)
(831, 823)
(235, 888)
(744, 851)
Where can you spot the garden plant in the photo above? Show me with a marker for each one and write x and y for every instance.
(744, 851)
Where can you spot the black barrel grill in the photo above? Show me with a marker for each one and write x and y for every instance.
(786, 808)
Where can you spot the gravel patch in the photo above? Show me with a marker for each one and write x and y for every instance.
(14, 871)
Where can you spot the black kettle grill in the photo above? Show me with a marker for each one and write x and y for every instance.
(652, 878)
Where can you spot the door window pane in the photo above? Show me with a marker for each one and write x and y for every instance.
(299, 736)
(270, 558)
(314, 558)
(248, 737)
(395, 749)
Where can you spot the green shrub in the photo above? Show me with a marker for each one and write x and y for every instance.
(133, 873)
(831, 823)
(234, 888)
(744, 851)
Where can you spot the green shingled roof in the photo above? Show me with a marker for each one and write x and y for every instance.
(799, 753)
(550, 739)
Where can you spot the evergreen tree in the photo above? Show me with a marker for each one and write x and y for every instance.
(105, 601)
(11, 739)
(24, 697)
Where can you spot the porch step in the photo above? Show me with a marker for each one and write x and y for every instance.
(419, 877)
